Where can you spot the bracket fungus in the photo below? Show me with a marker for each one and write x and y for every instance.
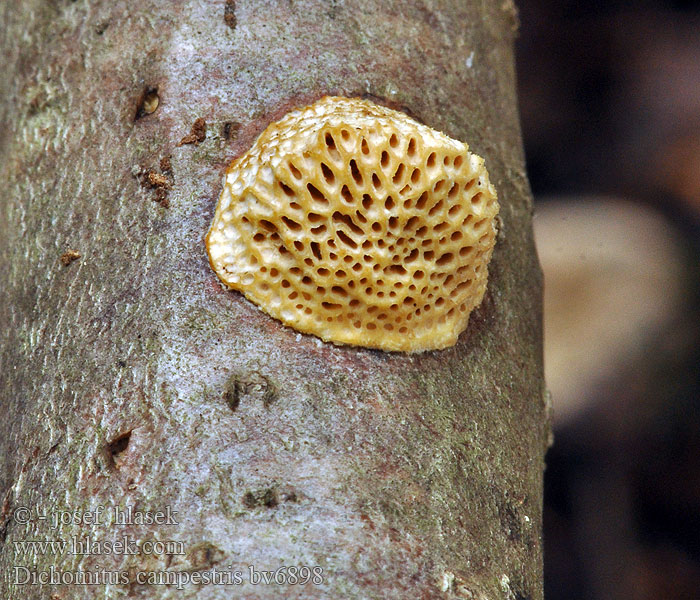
(353, 222)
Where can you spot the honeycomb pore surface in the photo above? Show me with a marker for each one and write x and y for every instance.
(357, 224)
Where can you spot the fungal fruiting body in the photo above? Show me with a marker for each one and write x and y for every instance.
(353, 222)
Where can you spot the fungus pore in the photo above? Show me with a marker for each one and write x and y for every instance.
(359, 225)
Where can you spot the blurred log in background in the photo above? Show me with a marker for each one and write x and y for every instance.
(610, 100)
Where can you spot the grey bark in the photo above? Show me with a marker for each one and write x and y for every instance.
(131, 378)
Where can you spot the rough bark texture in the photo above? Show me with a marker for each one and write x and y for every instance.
(130, 378)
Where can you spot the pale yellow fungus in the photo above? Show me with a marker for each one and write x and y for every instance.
(357, 224)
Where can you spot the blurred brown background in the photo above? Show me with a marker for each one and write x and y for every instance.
(610, 102)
